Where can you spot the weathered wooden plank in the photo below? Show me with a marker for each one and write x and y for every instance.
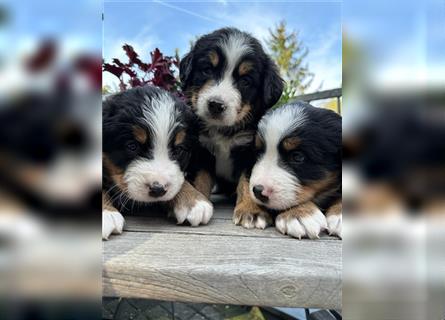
(217, 226)
(222, 211)
(223, 269)
(333, 93)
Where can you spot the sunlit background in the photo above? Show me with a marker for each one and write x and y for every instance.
(303, 38)
(393, 126)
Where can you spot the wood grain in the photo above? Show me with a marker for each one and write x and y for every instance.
(218, 226)
(221, 263)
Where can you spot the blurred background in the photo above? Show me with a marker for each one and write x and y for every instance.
(50, 159)
(393, 127)
(393, 159)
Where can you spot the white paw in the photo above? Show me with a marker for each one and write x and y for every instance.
(112, 222)
(200, 213)
(334, 224)
(259, 222)
(250, 221)
(307, 226)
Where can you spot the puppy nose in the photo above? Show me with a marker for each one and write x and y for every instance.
(258, 192)
(216, 107)
(157, 190)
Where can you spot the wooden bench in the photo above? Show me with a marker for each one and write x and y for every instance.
(221, 263)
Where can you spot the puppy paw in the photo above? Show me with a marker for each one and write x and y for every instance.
(251, 217)
(199, 213)
(334, 222)
(112, 223)
(298, 225)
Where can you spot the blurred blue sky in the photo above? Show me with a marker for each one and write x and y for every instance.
(170, 25)
(75, 25)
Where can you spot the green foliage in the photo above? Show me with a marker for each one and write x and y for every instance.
(289, 53)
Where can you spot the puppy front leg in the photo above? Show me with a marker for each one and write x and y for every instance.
(202, 171)
(191, 205)
(204, 183)
(247, 213)
(304, 220)
(112, 220)
(334, 219)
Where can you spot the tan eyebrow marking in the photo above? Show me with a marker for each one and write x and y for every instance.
(258, 142)
(245, 67)
(180, 137)
(214, 58)
(291, 143)
(140, 134)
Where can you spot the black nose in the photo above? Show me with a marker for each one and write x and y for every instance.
(257, 191)
(157, 190)
(216, 107)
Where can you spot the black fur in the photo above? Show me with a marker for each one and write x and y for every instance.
(318, 153)
(261, 88)
(123, 111)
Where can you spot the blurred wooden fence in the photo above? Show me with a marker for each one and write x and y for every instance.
(321, 95)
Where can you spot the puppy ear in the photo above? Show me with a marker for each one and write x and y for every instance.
(185, 69)
(272, 85)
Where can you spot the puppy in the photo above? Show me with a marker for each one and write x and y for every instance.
(298, 171)
(230, 83)
(148, 141)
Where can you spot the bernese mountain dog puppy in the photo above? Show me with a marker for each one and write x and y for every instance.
(297, 176)
(149, 138)
(230, 83)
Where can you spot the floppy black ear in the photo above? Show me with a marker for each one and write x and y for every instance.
(185, 69)
(272, 85)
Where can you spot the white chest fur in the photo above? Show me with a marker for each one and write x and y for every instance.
(221, 147)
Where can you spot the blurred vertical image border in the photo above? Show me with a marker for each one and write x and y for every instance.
(50, 159)
(394, 160)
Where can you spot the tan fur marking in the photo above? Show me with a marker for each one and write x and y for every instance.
(291, 143)
(203, 183)
(187, 196)
(214, 58)
(116, 174)
(196, 92)
(258, 142)
(180, 136)
(194, 99)
(302, 210)
(335, 209)
(244, 112)
(106, 203)
(140, 134)
(312, 189)
(246, 209)
(245, 67)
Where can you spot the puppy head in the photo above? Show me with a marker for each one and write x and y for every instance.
(229, 79)
(299, 155)
(148, 137)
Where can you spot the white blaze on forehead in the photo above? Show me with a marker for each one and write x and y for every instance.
(277, 124)
(234, 48)
(267, 171)
(160, 115)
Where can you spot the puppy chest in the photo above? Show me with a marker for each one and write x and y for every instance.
(222, 147)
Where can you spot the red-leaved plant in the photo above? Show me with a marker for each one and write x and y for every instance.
(159, 72)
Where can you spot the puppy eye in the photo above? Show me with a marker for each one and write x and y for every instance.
(244, 82)
(297, 157)
(180, 148)
(132, 146)
(207, 71)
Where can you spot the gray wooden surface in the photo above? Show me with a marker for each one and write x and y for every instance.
(221, 263)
